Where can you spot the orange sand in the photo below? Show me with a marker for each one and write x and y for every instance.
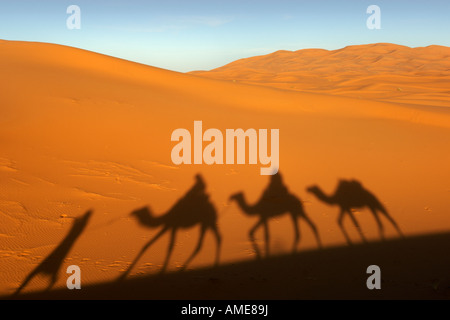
(80, 131)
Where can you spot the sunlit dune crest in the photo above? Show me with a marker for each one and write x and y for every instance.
(381, 71)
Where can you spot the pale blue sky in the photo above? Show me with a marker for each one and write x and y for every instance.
(193, 35)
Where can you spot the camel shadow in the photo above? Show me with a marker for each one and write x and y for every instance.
(276, 200)
(194, 208)
(51, 265)
(350, 194)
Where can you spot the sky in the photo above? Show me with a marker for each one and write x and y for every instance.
(184, 35)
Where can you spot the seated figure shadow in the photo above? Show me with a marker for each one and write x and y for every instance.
(194, 208)
(350, 194)
(51, 265)
(276, 200)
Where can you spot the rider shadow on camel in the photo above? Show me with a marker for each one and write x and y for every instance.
(275, 201)
(194, 208)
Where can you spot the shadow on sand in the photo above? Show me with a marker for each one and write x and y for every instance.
(194, 208)
(412, 268)
(51, 265)
(329, 273)
(275, 201)
(350, 194)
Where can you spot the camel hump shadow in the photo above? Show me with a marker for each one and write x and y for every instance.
(350, 195)
(53, 262)
(276, 200)
(194, 208)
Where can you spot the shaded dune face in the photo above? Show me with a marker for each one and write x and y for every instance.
(80, 130)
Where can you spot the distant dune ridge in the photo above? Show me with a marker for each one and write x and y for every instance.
(380, 71)
(80, 130)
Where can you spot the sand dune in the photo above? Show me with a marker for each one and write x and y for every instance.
(381, 71)
(81, 131)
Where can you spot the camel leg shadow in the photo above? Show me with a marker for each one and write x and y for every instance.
(358, 227)
(169, 251)
(355, 222)
(314, 230)
(341, 226)
(296, 233)
(144, 248)
(253, 241)
(380, 225)
(200, 244)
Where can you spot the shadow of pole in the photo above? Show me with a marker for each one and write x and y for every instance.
(51, 265)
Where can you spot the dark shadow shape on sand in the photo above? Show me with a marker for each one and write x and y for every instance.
(51, 265)
(350, 194)
(275, 201)
(194, 208)
(331, 273)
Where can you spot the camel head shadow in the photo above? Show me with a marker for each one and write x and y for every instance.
(351, 194)
(276, 200)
